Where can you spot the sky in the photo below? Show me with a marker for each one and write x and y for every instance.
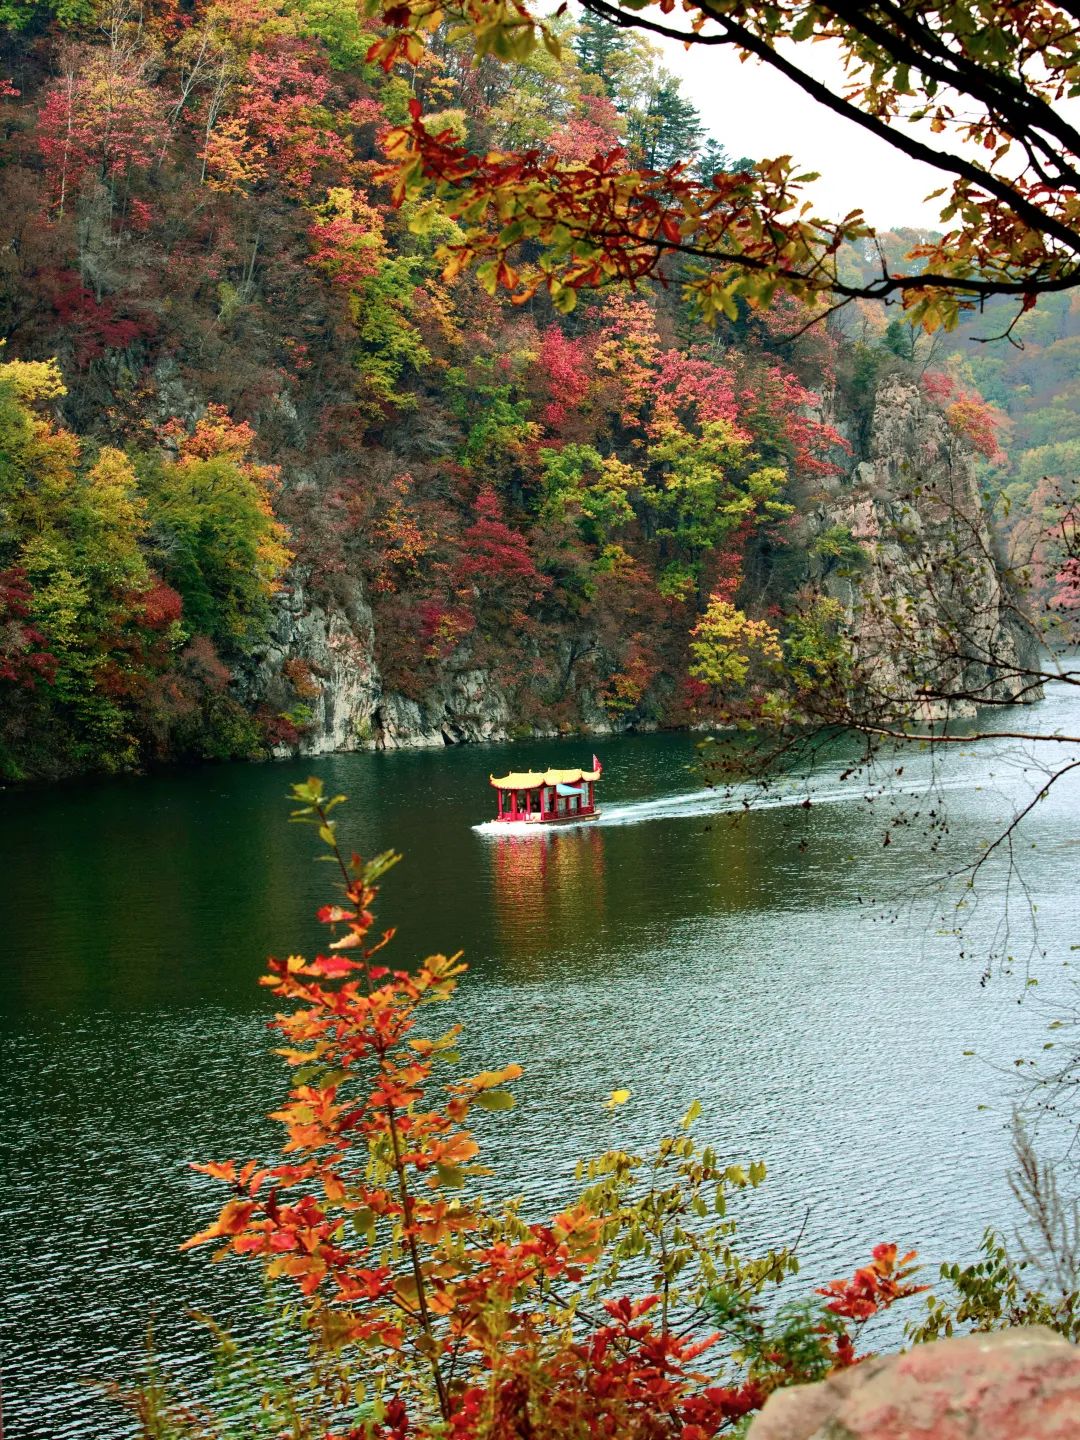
(756, 112)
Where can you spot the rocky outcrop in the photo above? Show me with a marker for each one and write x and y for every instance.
(1020, 1384)
(903, 543)
(318, 673)
(464, 706)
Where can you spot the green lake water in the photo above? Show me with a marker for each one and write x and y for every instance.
(790, 971)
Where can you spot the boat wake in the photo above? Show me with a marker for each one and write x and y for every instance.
(725, 802)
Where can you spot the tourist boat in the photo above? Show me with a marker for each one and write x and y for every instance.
(548, 797)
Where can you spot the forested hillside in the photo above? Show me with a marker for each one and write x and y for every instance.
(255, 446)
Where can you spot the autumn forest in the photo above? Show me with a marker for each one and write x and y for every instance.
(237, 379)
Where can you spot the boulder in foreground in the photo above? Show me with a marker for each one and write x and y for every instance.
(1020, 1384)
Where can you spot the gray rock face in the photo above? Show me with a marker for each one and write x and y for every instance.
(173, 399)
(464, 707)
(319, 667)
(318, 674)
(929, 609)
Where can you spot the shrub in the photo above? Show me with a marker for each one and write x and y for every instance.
(432, 1312)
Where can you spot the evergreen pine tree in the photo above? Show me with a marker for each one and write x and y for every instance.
(713, 159)
(602, 50)
(900, 339)
(667, 128)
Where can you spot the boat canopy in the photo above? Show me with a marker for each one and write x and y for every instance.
(534, 779)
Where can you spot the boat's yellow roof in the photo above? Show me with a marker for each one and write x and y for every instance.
(533, 779)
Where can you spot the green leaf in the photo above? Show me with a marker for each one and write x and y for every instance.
(565, 299)
(805, 27)
(377, 868)
(364, 1223)
(495, 1100)
(310, 791)
(510, 234)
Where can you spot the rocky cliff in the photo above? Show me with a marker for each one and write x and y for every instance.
(346, 706)
(900, 538)
(936, 623)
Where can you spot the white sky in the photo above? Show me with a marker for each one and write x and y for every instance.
(754, 111)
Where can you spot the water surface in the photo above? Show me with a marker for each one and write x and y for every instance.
(789, 970)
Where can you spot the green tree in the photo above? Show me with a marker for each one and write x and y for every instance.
(217, 542)
(899, 339)
(712, 158)
(603, 50)
(664, 127)
(76, 532)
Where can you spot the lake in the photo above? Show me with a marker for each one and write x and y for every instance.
(786, 967)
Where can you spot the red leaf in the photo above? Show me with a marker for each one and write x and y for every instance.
(332, 967)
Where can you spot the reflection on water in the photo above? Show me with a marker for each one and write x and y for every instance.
(674, 946)
(546, 885)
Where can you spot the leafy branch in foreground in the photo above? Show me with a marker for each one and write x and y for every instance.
(970, 89)
(427, 1310)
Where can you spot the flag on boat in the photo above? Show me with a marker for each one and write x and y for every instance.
(596, 764)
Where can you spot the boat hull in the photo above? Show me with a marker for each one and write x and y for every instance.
(547, 822)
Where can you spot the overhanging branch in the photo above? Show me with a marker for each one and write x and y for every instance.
(737, 35)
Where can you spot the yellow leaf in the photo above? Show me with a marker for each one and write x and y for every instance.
(618, 1097)
(691, 1115)
(299, 1057)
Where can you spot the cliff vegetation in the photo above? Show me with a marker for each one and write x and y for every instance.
(270, 479)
